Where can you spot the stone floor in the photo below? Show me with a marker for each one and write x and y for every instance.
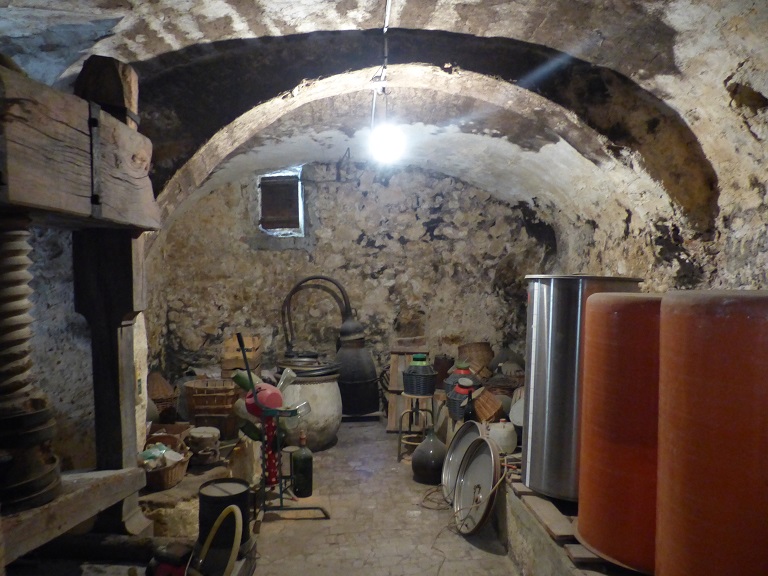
(382, 522)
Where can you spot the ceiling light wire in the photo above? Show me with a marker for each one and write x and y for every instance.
(387, 141)
(380, 77)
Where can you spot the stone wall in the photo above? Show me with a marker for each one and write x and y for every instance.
(419, 253)
(61, 348)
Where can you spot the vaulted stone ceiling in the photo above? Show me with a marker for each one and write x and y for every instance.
(563, 102)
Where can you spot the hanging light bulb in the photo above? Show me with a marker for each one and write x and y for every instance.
(387, 143)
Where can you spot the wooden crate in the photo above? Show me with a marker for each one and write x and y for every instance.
(211, 396)
(232, 355)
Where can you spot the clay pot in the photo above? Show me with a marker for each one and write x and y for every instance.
(324, 420)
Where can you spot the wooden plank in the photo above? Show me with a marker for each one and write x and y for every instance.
(555, 523)
(84, 494)
(398, 363)
(45, 158)
(109, 292)
(521, 489)
(581, 556)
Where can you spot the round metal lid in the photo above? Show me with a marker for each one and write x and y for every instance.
(479, 473)
(464, 436)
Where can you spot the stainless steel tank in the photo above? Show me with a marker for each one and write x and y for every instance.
(553, 374)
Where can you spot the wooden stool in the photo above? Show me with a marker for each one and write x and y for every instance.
(415, 412)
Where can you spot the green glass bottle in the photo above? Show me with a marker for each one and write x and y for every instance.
(470, 414)
(301, 463)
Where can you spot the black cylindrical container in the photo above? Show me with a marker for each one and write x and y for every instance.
(215, 496)
(358, 378)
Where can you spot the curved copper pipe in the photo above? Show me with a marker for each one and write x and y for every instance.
(285, 312)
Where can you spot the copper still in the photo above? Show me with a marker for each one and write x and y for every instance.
(358, 377)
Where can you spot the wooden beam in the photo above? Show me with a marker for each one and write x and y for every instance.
(113, 84)
(110, 292)
(555, 523)
(46, 138)
(83, 496)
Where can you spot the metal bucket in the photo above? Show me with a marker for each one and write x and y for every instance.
(554, 350)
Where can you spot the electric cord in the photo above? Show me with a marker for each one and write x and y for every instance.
(231, 509)
(476, 504)
(453, 525)
(433, 499)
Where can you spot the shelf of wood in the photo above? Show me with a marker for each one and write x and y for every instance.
(83, 495)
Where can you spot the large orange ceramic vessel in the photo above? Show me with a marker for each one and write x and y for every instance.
(619, 421)
(712, 513)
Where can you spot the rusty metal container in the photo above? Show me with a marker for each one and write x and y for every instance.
(554, 350)
(712, 507)
(619, 422)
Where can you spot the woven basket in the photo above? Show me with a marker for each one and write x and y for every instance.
(164, 403)
(419, 384)
(487, 406)
(478, 354)
(168, 476)
(211, 396)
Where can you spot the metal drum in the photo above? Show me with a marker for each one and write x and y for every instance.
(214, 496)
(553, 375)
(713, 434)
(619, 428)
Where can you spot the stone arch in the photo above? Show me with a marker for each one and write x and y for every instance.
(604, 102)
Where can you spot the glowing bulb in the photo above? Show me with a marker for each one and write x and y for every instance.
(387, 143)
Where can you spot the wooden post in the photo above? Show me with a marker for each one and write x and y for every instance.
(110, 292)
(2, 551)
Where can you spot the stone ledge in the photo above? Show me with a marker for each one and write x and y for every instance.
(540, 539)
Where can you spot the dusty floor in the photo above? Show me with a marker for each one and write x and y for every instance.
(382, 522)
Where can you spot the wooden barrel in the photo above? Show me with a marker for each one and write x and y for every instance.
(712, 509)
(619, 420)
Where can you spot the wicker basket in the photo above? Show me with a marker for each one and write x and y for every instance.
(211, 403)
(478, 354)
(168, 476)
(487, 406)
(163, 394)
(211, 396)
